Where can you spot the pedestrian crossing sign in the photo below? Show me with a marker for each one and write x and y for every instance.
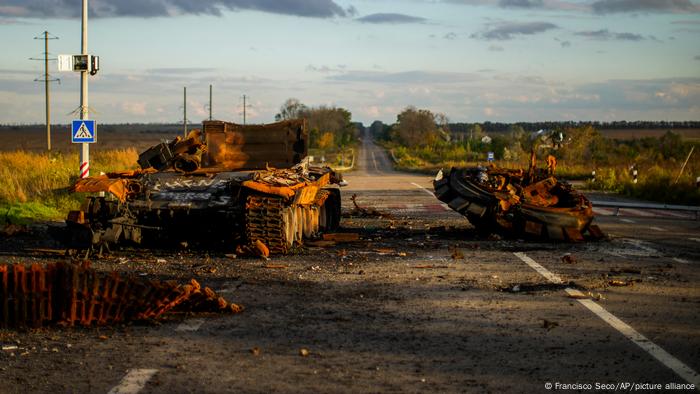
(84, 131)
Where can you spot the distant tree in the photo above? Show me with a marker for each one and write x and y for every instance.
(416, 127)
(334, 120)
(380, 130)
(326, 140)
(291, 109)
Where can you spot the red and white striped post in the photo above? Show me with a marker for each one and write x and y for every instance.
(85, 152)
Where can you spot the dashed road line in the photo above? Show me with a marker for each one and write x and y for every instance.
(680, 260)
(633, 335)
(627, 220)
(374, 160)
(190, 325)
(656, 228)
(694, 239)
(134, 381)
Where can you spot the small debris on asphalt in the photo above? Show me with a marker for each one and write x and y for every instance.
(363, 212)
(319, 244)
(568, 259)
(620, 283)
(304, 352)
(548, 324)
(341, 237)
(255, 351)
(262, 249)
(430, 266)
(276, 266)
(457, 254)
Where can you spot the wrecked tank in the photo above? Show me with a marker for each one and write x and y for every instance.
(530, 204)
(244, 185)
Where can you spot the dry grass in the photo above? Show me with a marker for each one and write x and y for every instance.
(39, 179)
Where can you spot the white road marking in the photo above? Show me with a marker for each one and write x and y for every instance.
(680, 260)
(627, 220)
(190, 325)
(656, 228)
(602, 211)
(424, 189)
(638, 212)
(447, 207)
(374, 160)
(633, 335)
(694, 239)
(134, 381)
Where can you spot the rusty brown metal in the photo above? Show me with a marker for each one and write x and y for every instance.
(247, 182)
(233, 146)
(519, 203)
(74, 294)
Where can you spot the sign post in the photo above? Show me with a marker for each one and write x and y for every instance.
(85, 152)
(490, 156)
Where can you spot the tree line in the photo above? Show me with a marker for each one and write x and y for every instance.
(329, 126)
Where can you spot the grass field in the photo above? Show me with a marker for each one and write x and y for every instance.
(34, 186)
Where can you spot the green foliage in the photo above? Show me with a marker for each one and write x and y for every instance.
(584, 149)
(321, 121)
(415, 127)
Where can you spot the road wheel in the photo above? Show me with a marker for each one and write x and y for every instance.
(299, 220)
(289, 226)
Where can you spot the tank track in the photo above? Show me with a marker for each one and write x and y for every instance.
(265, 221)
(280, 226)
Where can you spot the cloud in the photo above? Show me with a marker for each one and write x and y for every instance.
(615, 6)
(605, 35)
(407, 77)
(325, 69)
(686, 22)
(545, 5)
(521, 3)
(391, 18)
(565, 44)
(180, 70)
(495, 48)
(158, 8)
(509, 30)
(450, 36)
(134, 107)
(697, 57)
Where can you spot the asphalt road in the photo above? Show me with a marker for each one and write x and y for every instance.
(420, 304)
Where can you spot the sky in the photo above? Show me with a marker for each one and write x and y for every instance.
(473, 60)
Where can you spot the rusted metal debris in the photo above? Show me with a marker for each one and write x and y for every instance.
(531, 204)
(74, 294)
(248, 186)
(359, 211)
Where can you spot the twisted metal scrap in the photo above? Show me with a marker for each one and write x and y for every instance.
(69, 294)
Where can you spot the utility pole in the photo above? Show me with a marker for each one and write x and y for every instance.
(47, 79)
(85, 152)
(245, 107)
(209, 102)
(184, 110)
